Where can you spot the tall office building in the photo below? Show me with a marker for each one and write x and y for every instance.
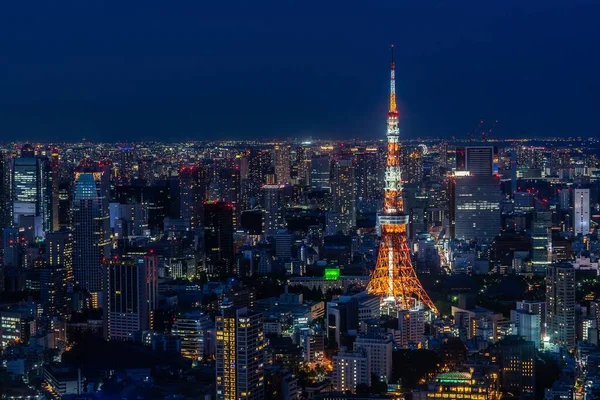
(225, 187)
(351, 369)
(368, 176)
(560, 304)
(541, 241)
(282, 164)
(581, 211)
(379, 352)
(31, 195)
(476, 194)
(5, 191)
(343, 189)
(477, 207)
(54, 190)
(192, 193)
(91, 230)
(130, 295)
(240, 355)
(517, 366)
(273, 208)
(320, 172)
(411, 160)
(478, 160)
(218, 238)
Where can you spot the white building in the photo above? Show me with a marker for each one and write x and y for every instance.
(528, 324)
(379, 351)
(350, 369)
(411, 325)
(581, 211)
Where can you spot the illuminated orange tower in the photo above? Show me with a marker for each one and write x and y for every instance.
(394, 278)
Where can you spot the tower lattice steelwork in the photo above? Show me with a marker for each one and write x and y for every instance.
(394, 277)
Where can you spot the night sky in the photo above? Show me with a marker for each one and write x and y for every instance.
(134, 70)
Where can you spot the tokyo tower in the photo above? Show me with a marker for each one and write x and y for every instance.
(394, 278)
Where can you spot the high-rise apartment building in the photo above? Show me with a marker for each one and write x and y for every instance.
(240, 355)
(379, 351)
(91, 229)
(282, 164)
(351, 369)
(411, 327)
(130, 294)
(343, 189)
(273, 208)
(560, 304)
(581, 211)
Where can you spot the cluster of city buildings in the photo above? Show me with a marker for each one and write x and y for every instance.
(327, 270)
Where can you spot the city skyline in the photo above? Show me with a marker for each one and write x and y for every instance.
(181, 71)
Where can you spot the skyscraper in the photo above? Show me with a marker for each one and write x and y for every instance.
(282, 164)
(320, 171)
(130, 295)
(218, 238)
(477, 207)
(27, 185)
(59, 252)
(412, 164)
(240, 355)
(479, 160)
(367, 180)
(91, 229)
(560, 304)
(343, 189)
(273, 208)
(541, 238)
(192, 193)
(54, 290)
(581, 211)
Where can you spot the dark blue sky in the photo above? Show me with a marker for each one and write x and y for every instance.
(131, 70)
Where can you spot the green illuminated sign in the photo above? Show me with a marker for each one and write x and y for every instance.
(332, 274)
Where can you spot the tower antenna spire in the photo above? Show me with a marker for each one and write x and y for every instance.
(393, 108)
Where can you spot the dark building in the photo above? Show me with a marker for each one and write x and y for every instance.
(53, 290)
(91, 229)
(517, 366)
(130, 295)
(251, 221)
(192, 193)
(337, 250)
(218, 238)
